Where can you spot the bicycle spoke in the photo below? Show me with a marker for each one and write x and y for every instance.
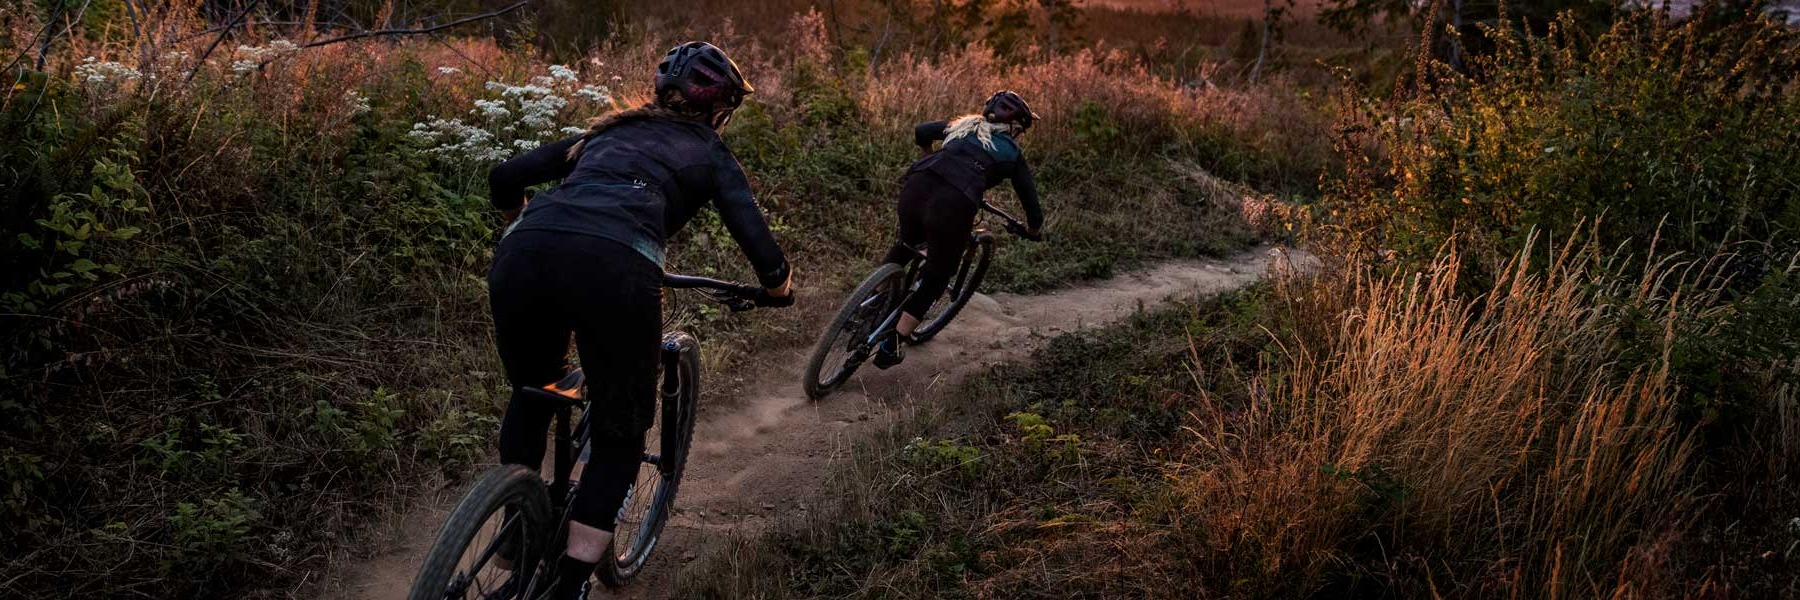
(506, 528)
(480, 577)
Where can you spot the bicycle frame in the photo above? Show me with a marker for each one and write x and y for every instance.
(911, 279)
(534, 503)
(569, 440)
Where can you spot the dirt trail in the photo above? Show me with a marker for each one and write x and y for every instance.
(767, 454)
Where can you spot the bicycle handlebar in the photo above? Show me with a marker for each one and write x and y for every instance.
(1013, 226)
(691, 282)
(737, 296)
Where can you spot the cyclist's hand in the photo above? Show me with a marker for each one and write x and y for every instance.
(768, 298)
(1024, 232)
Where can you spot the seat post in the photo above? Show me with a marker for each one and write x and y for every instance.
(565, 463)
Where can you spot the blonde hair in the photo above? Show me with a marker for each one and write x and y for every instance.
(978, 126)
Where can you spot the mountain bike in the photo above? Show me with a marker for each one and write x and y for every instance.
(872, 311)
(514, 513)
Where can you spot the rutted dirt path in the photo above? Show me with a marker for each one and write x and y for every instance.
(768, 454)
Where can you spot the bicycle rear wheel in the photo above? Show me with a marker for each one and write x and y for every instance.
(651, 499)
(844, 344)
(962, 288)
(506, 513)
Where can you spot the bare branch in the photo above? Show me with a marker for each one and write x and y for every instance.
(222, 33)
(420, 30)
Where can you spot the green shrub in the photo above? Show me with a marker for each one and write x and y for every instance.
(1654, 137)
(1678, 135)
(248, 303)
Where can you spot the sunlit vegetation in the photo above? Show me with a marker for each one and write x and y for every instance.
(244, 303)
(1551, 350)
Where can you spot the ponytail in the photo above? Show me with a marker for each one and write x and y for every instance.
(647, 112)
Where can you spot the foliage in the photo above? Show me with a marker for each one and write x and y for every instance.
(243, 299)
(1448, 407)
(1674, 135)
(209, 291)
(1658, 136)
(1344, 434)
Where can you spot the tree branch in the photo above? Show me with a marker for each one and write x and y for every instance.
(417, 31)
(222, 33)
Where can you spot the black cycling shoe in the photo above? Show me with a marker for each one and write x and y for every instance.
(890, 352)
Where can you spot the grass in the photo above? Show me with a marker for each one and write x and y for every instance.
(244, 307)
(1344, 434)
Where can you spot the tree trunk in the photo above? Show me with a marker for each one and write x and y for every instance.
(1456, 24)
(1262, 49)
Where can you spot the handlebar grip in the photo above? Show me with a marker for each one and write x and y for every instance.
(1015, 228)
(764, 299)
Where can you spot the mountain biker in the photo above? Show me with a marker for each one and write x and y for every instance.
(586, 257)
(942, 192)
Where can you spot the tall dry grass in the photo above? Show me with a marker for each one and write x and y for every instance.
(280, 328)
(1448, 445)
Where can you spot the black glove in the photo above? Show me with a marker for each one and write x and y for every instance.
(768, 300)
(1020, 230)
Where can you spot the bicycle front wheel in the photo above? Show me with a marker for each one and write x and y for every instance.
(962, 288)
(651, 499)
(844, 343)
(492, 541)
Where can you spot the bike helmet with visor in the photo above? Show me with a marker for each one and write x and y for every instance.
(1007, 107)
(708, 82)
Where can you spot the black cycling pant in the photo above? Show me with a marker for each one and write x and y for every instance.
(939, 216)
(545, 286)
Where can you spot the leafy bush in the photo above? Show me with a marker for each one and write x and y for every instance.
(254, 276)
(1664, 137)
(1676, 135)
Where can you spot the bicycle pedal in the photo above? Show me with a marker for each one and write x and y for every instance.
(884, 360)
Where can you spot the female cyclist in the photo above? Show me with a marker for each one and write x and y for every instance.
(942, 192)
(586, 258)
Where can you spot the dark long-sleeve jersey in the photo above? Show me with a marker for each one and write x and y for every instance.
(973, 168)
(637, 183)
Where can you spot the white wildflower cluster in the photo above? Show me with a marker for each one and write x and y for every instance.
(249, 58)
(359, 103)
(101, 72)
(514, 118)
(491, 109)
(448, 70)
(455, 140)
(595, 94)
(540, 113)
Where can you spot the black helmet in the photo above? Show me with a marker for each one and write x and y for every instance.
(1007, 107)
(707, 79)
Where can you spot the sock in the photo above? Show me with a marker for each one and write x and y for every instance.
(571, 573)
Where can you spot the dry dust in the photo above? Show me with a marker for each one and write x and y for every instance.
(766, 456)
